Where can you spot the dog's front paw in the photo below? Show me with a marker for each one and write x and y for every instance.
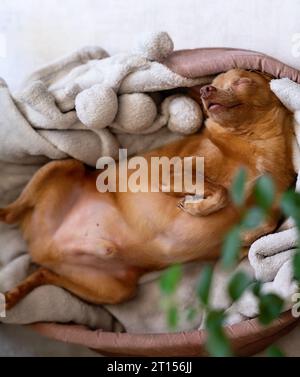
(192, 205)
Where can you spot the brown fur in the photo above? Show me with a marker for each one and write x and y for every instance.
(98, 245)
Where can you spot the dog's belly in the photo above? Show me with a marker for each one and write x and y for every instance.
(145, 230)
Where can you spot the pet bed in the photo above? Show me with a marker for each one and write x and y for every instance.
(82, 107)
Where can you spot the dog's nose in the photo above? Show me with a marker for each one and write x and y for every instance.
(207, 90)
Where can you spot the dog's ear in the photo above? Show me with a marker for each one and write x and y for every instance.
(268, 77)
(265, 75)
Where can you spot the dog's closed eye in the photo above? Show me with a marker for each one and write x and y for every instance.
(243, 81)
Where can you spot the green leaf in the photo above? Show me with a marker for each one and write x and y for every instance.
(264, 192)
(256, 288)
(215, 320)
(238, 285)
(191, 314)
(296, 264)
(204, 284)
(231, 248)
(173, 317)
(274, 351)
(290, 205)
(217, 344)
(253, 218)
(170, 279)
(238, 188)
(270, 308)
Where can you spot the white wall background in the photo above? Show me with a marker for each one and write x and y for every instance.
(37, 31)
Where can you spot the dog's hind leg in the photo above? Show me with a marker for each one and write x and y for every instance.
(101, 289)
(37, 279)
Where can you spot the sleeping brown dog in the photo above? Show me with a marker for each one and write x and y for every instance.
(98, 245)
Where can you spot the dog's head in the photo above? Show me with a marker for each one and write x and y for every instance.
(238, 97)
